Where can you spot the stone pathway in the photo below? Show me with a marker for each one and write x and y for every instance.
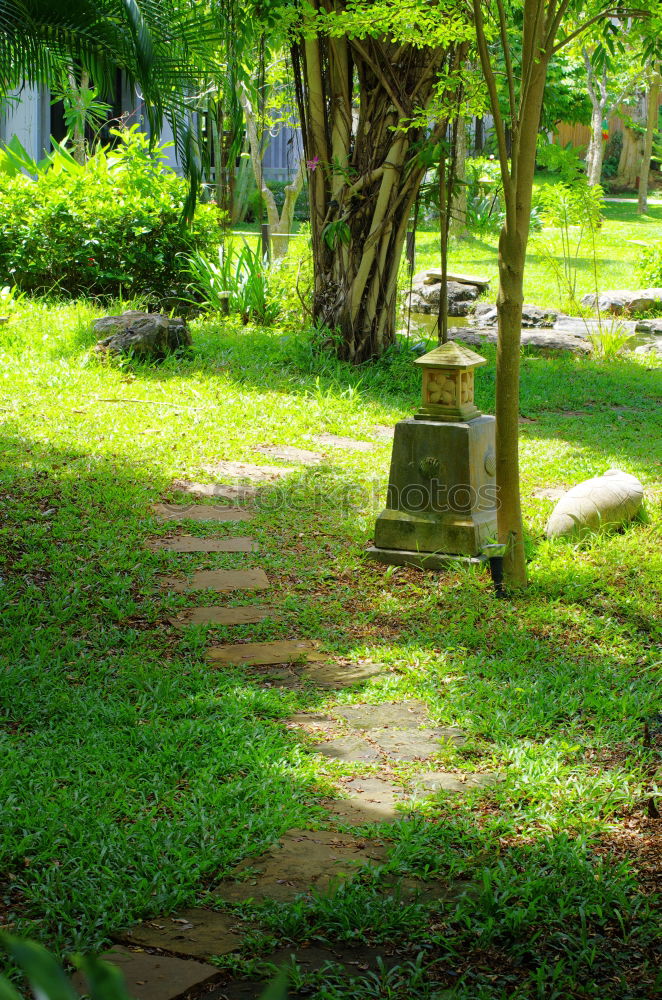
(189, 543)
(167, 957)
(343, 443)
(218, 579)
(200, 512)
(287, 453)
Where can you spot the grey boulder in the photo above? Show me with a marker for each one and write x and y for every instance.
(426, 293)
(533, 317)
(603, 501)
(537, 339)
(148, 336)
(625, 302)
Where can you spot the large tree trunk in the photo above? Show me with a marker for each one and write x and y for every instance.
(629, 164)
(597, 92)
(651, 128)
(363, 175)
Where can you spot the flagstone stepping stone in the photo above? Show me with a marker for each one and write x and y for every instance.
(245, 470)
(288, 453)
(369, 800)
(242, 615)
(284, 678)
(351, 749)
(155, 977)
(339, 675)
(199, 512)
(383, 432)
(444, 781)
(281, 651)
(195, 932)
(220, 490)
(311, 721)
(402, 715)
(301, 861)
(344, 443)
(407, 744)
(219, 579)
(189, 543)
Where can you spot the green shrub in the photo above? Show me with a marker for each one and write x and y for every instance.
(650, 265)
(612, 155)
(110, 227)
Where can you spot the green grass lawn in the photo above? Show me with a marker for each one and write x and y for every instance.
(134, 775)
(618, 250)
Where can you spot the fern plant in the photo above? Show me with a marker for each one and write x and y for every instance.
(241, 280)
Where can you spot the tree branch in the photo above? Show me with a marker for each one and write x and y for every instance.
(490, 80)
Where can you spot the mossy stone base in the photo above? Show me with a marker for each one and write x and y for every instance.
(442, 490)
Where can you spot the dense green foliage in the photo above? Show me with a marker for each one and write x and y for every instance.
(650, 265)
(113, 226)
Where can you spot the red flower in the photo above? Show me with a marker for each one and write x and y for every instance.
(312, 164)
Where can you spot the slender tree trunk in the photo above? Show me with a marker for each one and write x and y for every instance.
(242, 186)
(597, 92)
(280, 224)
(517, 135)
(479, 136)
(459, 207)
(651, 128)
(216, 128)
(364, 174)
(512, 253)
(78, 135)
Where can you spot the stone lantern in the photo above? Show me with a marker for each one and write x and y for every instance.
(441, 501)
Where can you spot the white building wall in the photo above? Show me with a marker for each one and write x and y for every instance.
(27, 116)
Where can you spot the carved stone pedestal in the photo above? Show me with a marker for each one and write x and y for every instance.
(442, 491)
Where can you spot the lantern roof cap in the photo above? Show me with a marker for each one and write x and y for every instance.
(451, 355)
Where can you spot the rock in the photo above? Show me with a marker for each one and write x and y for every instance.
(608, 500)
(532, 316)
(652, 326)
(542, 340)
(425, 295)
(148, 336)
(433, 275)
(625, 302)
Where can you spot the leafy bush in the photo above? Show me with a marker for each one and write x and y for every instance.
(109, 227)
(485, 211)
(612, 155)
(650, 265)
(565, 160)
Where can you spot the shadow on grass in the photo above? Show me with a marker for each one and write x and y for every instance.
(291, 365)
(134, 775)
(131, 770)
